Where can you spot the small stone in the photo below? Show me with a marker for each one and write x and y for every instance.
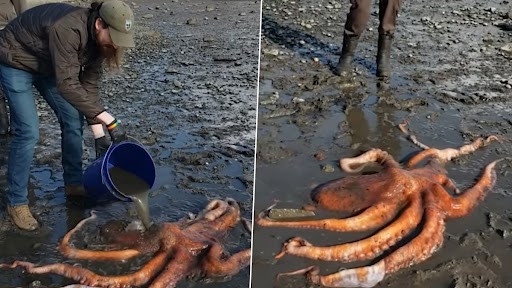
(148, 16)
(210, 8)
(320, 155)
(273, 52)
(507, 48)
(35, 284)
(171, 70)
(192, 21)
(177, 84)
(297, 100)
(328, 168)
(289, 213)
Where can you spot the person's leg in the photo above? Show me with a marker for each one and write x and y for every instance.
(357, 19)
(4, 116)
(388, 12)
(17, 86)
(71, 125)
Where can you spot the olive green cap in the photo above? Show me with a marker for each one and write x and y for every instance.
(119, 18)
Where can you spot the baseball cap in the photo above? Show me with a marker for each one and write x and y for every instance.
(119, 18)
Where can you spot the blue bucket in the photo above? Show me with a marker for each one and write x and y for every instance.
(129, 156)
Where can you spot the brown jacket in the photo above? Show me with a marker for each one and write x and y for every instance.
(7, 12)
(57, 40)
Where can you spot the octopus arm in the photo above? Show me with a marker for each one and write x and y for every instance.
(365, 249)
(462, 204)
(420, 248)
(357, 164)
(71, 252)
(89, 278)
(445, 155)
(216, 265)
(220, 217)
(179, 267)
(373, 217)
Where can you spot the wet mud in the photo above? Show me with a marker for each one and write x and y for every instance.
(188, 93)
(451, 80)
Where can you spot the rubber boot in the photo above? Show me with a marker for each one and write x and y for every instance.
(4, 117)
(344, 67)
(383, 54)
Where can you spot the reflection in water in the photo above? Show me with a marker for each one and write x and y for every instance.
(384, 135)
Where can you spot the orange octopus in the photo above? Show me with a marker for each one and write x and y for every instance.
(397, 200)
(180, 249)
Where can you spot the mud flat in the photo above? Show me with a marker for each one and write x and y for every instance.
(451, 80)
(187, 92)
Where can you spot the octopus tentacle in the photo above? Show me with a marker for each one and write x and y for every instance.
(215, 264)
(411, 137)
(215, 209)
(177, 269)
(465, 202)
(448, 183)
(373, 217)
(89, 278)
(71, 252)
(447, 154)
(364, 249)
(419, 249)
(356, 164)
(229, 219)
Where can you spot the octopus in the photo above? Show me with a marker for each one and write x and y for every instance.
(188, 247)
(393, 201)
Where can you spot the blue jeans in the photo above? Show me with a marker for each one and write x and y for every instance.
(17, 86)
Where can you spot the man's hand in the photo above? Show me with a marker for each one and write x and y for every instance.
(116, 132)
(101, 146)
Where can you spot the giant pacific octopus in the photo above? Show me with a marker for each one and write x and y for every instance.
(396, 200)
(180, 249)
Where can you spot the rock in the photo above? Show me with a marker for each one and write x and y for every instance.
(273, 52)
(192, 21)
(297, 100)
(507, 48)
(320, 155)
(289, 213)
(148, 16)
(171, 70)
(210, 8)
(177, 84)
(328, 168)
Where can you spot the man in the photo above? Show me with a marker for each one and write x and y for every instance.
(59, 49)
(357, 19)
(7, 13)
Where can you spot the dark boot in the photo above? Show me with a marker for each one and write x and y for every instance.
(4, 117)
(344, 67)
(383, 54)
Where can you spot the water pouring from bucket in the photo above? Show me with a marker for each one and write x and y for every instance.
(125, 173)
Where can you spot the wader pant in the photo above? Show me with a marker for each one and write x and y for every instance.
(359, 15)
